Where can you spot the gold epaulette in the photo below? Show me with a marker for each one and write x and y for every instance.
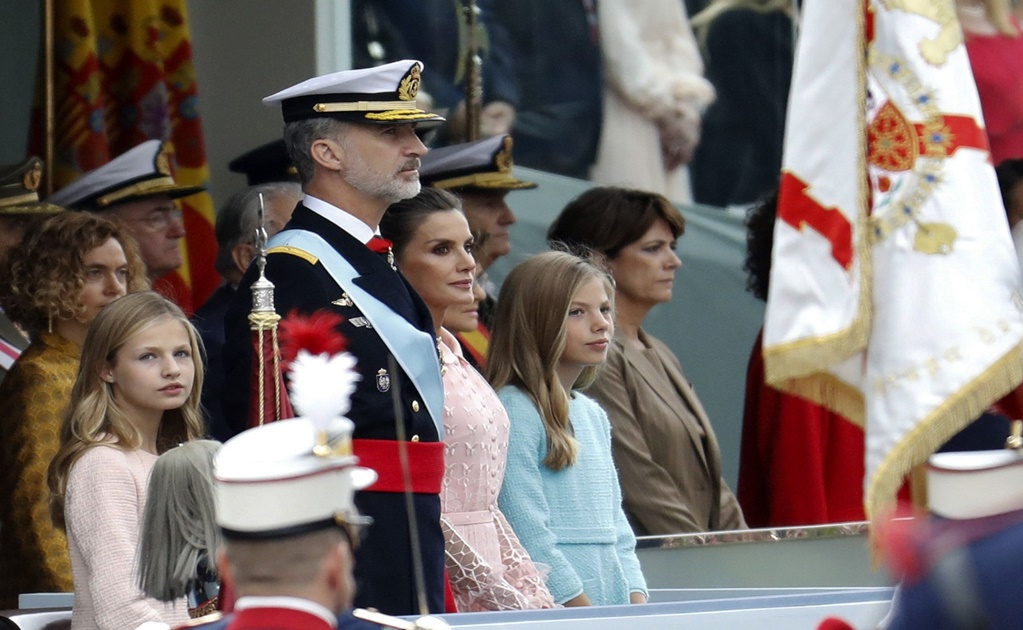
(201, 621)
(294, 251)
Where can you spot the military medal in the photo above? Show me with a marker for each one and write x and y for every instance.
(383, 380)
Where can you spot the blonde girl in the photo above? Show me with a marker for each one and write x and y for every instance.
(136, 395)
(561, 495)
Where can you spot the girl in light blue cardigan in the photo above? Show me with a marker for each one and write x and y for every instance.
(552, 328)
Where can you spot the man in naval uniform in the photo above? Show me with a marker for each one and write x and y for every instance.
(289, 526)
(19, 208)
(351, 136)
(138, 188)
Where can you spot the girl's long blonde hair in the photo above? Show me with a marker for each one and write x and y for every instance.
(528, 339)
(94, 416)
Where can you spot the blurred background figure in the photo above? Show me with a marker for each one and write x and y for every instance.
(961, 566)
(437, 33)
(654, 97)
(558, 71)
(180, 539)
(265, 164)
(1010, 183)
(19, 208)
(994, 41)
(236, 237)
(667, 455)
(749, 50)
(67, 270)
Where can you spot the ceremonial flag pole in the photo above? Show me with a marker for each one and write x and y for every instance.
(894, 295)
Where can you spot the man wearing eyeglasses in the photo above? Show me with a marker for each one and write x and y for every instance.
(137, 187)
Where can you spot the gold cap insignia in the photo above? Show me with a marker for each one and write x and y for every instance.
(163, 161)
(504, 156)
(33, 177)
(408, 88)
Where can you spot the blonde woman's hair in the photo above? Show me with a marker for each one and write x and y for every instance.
(94, 416)
(528, 339)
(179, 528)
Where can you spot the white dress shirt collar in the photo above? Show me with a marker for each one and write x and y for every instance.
(347, 222)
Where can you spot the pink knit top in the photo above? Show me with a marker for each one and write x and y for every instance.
(105, 501)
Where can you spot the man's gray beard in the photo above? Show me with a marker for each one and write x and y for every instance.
(388, 188)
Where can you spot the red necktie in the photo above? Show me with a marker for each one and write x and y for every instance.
(379, 245)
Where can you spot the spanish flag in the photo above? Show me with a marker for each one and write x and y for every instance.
(123, 74)
(894, 295)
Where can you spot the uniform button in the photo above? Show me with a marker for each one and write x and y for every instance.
(415, 406)
(415, 438)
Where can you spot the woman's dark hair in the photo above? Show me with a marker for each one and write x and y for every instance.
(1010, 173)
(606, 219)
(759, 243)
(402, 218)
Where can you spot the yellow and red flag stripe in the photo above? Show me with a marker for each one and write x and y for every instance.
(123, 75)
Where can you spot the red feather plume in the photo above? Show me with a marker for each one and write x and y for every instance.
(316, 334)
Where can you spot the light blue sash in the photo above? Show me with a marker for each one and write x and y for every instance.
(414, 350)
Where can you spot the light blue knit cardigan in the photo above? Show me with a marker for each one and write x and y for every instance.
(572, 519)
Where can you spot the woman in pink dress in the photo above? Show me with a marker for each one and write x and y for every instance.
(487, 566)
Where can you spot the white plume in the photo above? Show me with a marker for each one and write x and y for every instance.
(321, 387)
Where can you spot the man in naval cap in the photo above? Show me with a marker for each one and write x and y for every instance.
(351, 136)
(138, 188)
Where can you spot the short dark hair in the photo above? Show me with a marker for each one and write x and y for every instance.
(403, 217)
(759, 243)
(606, 219)
(1010, 173)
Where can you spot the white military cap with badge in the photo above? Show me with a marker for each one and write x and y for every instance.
(484, 164)
(380, 95)
(141, 172)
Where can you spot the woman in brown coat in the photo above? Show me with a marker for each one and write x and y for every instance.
(668, 458)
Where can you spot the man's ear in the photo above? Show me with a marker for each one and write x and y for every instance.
(328, 154)
(242, 255)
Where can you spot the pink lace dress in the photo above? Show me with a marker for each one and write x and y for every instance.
(488, 567)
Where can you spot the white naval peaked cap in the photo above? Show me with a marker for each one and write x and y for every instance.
(483, 165)
(975, 484)
(141, 172)
(380, 95)
(270, 484)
